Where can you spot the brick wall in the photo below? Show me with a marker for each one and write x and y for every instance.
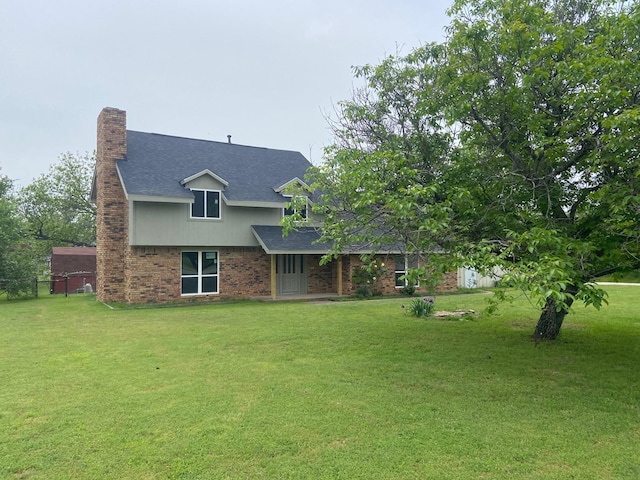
(321, 278)
(449, 282)
(152, 274)
(112, 208)
(387, 284)
(244, 272)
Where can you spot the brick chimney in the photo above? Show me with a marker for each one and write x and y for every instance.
(112, 208)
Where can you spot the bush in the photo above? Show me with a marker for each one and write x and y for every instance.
(364, 292)
(367, 278)
(409, 290)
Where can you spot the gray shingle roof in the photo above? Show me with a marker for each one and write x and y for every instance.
(301, 240)
(156, 164)
(305, 240)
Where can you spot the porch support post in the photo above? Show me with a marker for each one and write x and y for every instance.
(339, 275)
(273, 277)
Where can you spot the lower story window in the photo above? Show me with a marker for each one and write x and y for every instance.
(199, 273)
(403, 264)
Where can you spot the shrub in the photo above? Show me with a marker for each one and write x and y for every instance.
(409, 290)
(422, 307)
(364, 292)
(367, 278)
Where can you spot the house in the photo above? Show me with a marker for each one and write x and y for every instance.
(181, 218)
(72, 268)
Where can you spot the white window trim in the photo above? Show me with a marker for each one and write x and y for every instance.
(289, 198)
(205, 190)
(404, 272)
(199, 275)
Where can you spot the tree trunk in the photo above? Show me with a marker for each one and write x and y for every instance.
(550, 321)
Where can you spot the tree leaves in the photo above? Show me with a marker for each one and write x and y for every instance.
(57, 206)
(17, 260)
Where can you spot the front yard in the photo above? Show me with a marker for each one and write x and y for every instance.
(333, 390)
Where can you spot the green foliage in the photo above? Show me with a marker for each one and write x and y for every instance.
(379, 180)
(368, 276)
(17, 260)
(421, 307)
(409, 289)
(57, 207)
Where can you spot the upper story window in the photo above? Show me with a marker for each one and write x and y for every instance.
(206, 204)
(290, 210)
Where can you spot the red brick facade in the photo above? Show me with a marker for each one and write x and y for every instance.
(321, 278)
(152, 274)
(244, 272)
(386, 285)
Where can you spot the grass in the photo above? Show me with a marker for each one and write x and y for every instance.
(341, 390)
(632, 276)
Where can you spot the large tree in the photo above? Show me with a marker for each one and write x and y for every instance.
(547, 97)
(57, 207)
(538, 171)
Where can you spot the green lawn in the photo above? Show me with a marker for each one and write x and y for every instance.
(341, 390)
(632, 276)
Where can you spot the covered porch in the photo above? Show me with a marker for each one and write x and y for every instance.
(296, 270)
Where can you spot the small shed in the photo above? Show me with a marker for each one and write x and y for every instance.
(72, 269)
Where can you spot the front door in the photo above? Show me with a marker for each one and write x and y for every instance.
(291, 274)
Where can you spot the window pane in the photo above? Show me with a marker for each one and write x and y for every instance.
(189, 263)
(209, 263)
(213, 204)
(413, 261)
(197, 208)
(189, 285)
(400, 262)
(210, 284)
(399, 281)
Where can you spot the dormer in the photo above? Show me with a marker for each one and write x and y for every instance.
(207, 188)
(295, 188)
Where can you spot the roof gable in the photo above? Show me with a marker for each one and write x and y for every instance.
(204, 172)
(293, 183)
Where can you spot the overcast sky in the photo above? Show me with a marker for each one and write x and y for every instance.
(264, 72)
